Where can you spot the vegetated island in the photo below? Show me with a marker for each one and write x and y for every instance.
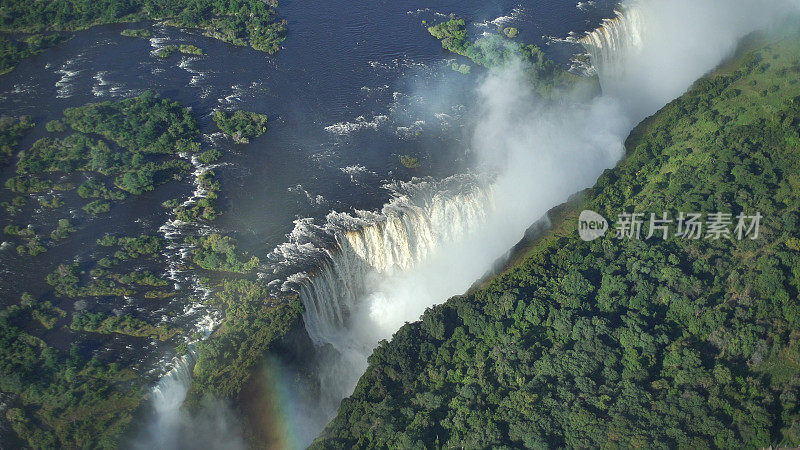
(241, 125)
(169, 50)
(44, 384)
(619, 342)
(254, 323)
(11, 130)
(253, 23)
(99, 154)
(510, 32)
(495, 50)
(137, 32)
(409, 162)
(102, 396)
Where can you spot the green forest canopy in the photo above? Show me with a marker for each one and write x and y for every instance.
(253, 23)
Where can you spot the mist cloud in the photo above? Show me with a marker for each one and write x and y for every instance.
(678, 41)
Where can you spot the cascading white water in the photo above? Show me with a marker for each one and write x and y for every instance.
(652, 51)
(353, 256)
(167, 397)
(170, 427)
(613, 42)
(408, 231)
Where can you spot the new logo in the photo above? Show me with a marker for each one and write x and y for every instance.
(591, 225)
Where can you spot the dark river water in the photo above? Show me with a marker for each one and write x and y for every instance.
(357, 84)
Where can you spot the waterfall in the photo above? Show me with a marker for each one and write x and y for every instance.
(653, 50)
(165, 427)
(168, 396)
(171, 427)
(408, 230)
(611, 43)
(352, 257)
